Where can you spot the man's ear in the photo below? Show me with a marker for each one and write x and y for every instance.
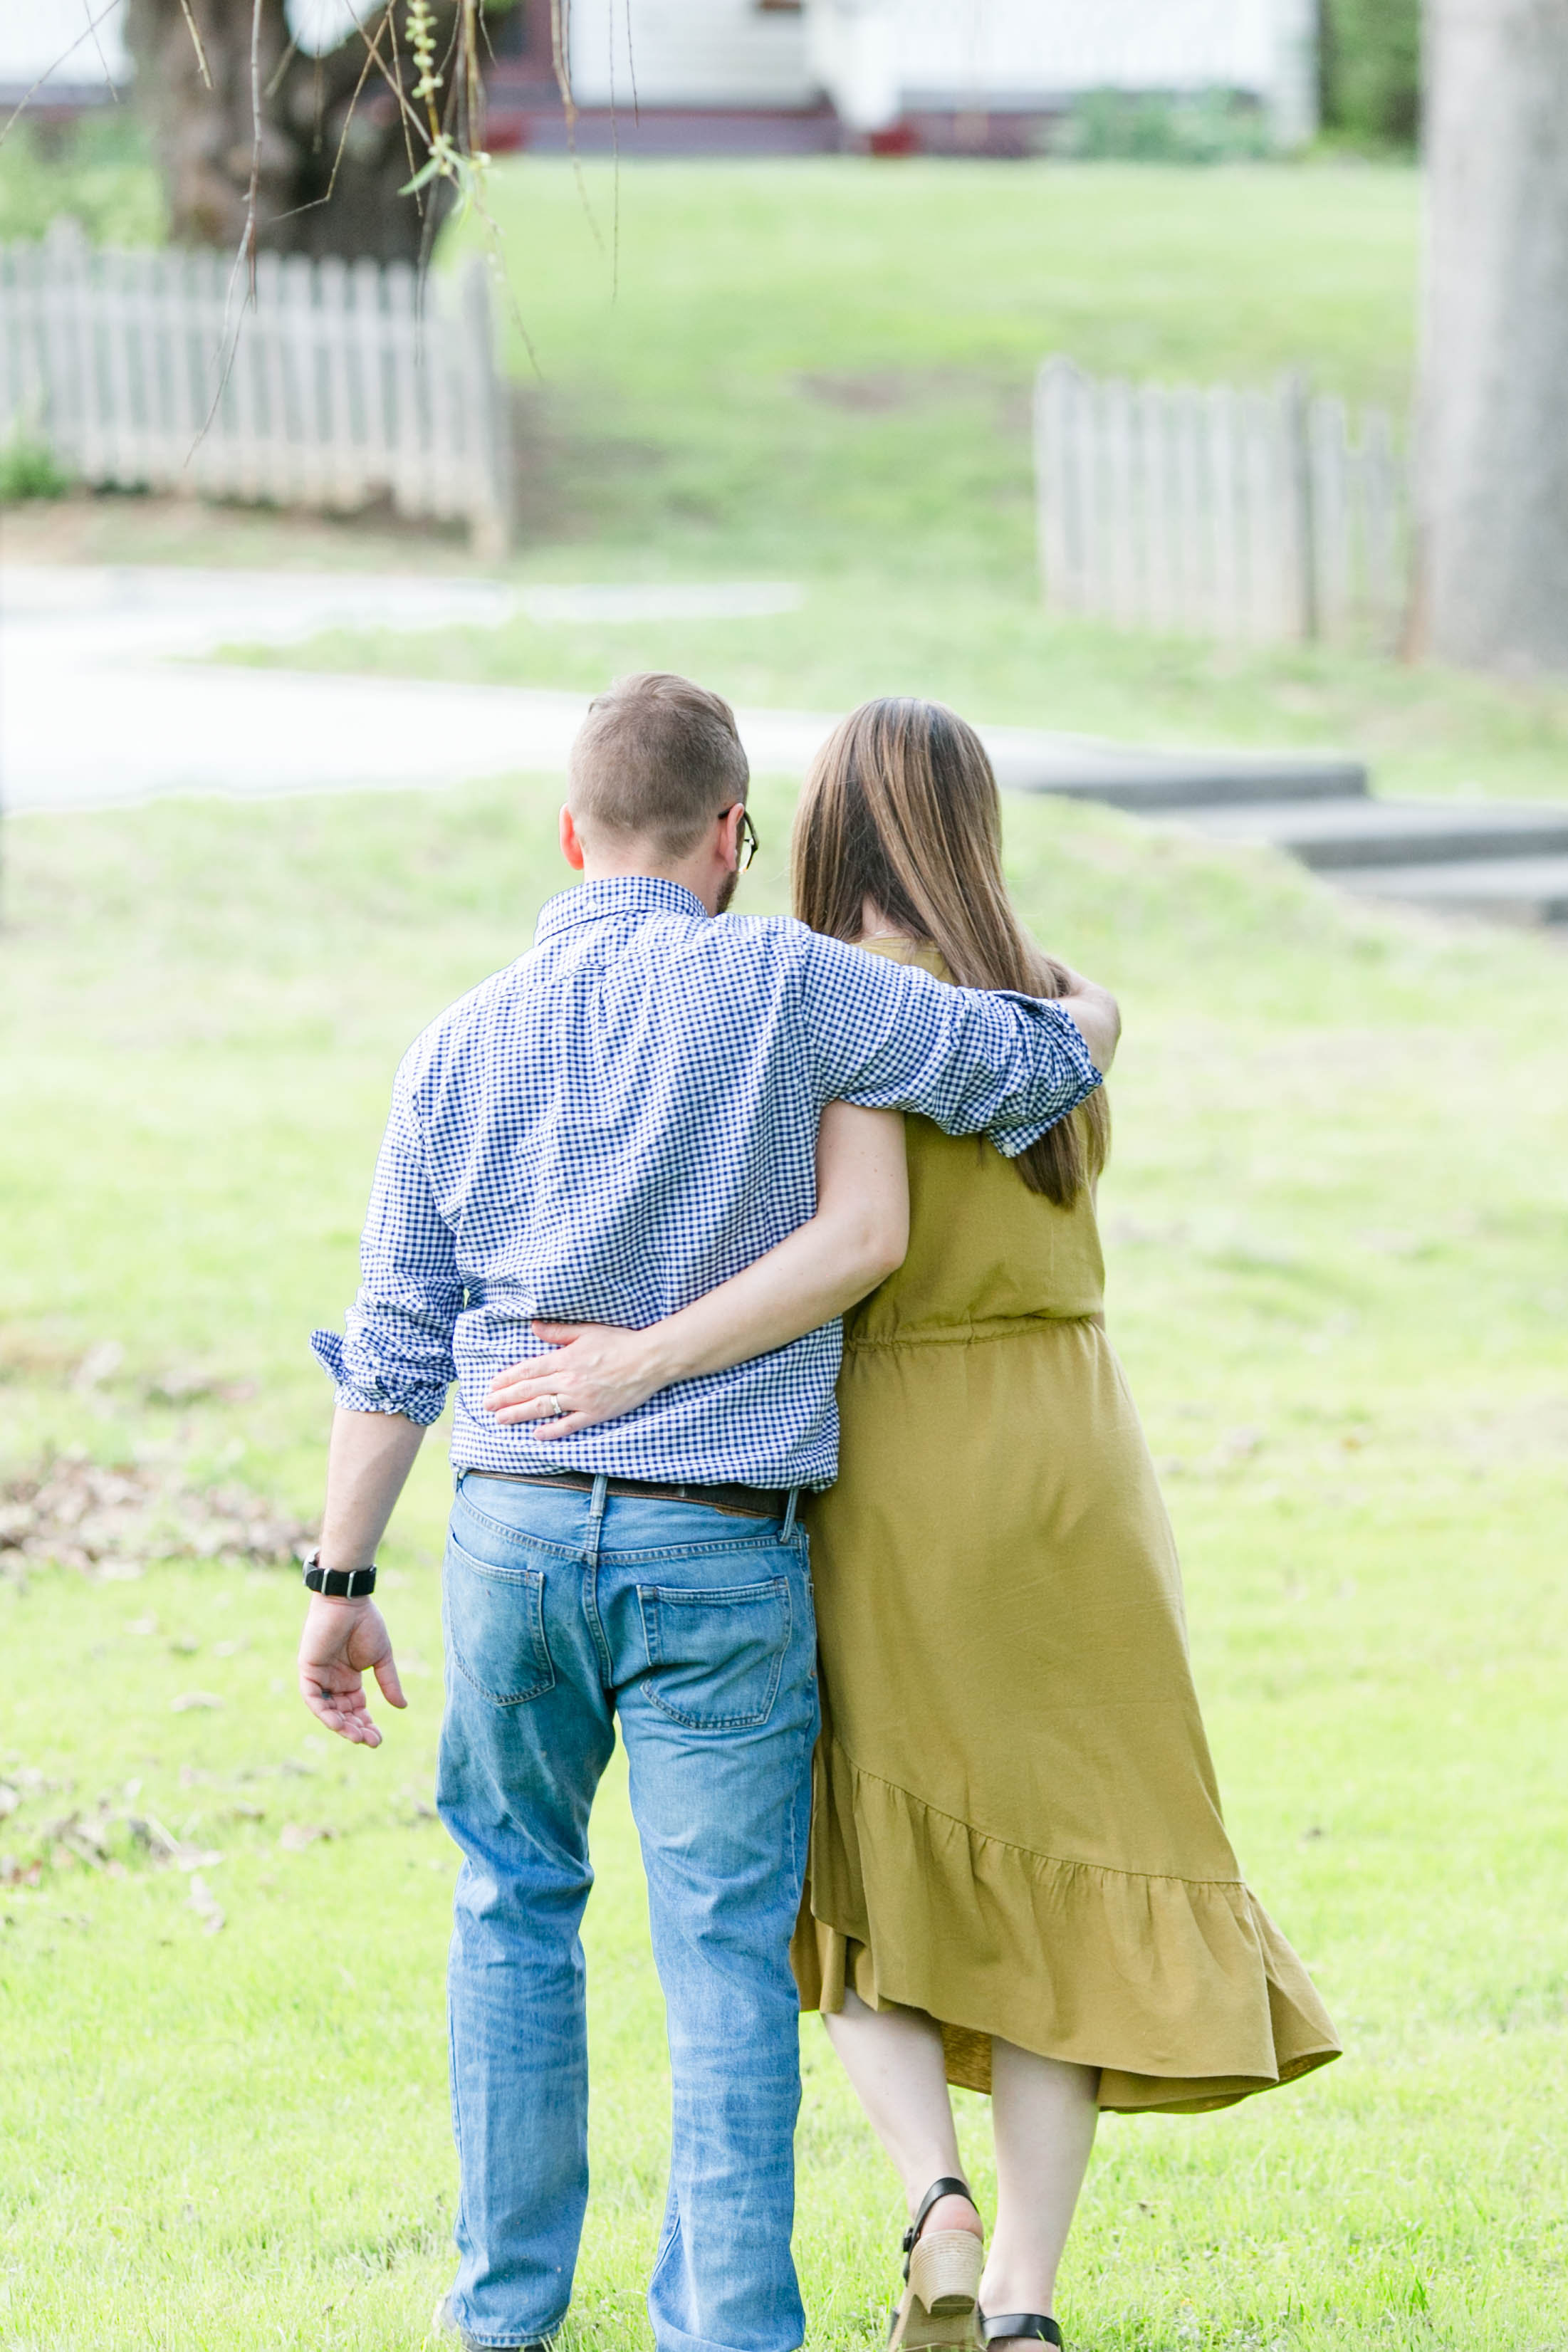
(571, 840)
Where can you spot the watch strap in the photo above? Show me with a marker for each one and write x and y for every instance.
(339, 1583)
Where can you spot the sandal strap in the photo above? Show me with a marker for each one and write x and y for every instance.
(948, 2186)
(1021, 2322)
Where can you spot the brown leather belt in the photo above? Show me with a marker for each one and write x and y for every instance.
(740, 1502)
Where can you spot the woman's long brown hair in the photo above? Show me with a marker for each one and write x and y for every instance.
(901, 808)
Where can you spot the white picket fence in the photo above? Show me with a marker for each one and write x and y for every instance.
(1241, 515)
(344, 382)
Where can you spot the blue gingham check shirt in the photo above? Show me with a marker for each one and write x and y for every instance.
(623, 1119)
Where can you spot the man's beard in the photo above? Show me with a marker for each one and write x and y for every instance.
(727, 889)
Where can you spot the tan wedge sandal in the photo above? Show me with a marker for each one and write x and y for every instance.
(941, 2273)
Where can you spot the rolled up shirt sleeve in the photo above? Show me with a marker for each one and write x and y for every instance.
(891, 1037)
(395, 1355)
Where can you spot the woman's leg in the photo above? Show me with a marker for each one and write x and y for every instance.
(1043, 2113)
(893, 2057)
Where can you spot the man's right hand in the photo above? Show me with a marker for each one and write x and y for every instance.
(342, 1642)
(1096, 1014)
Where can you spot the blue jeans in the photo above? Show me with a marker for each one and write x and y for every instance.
(563, 1610)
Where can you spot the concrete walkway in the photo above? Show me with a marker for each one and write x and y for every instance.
(104, 699)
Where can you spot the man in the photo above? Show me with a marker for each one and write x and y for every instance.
(600, 1134)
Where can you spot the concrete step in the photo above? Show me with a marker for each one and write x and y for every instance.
(1502, 859)
(1335, 836)
(1506, 889)
(1087, 768)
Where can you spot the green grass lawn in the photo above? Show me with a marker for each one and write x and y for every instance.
(1336, 1220)
(831, 361)
(821, 372)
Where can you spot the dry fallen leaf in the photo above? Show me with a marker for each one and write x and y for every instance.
(206, 1905)
(294, 1837)
(166, 1850)
(101, 1362)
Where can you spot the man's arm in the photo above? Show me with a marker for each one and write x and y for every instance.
(368, 1462)
(397, 1353)
(889, 1036)
(392, 1372)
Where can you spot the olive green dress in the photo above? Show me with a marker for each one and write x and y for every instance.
(1016, 1824)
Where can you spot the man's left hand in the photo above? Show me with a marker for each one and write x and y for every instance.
(343, 1641)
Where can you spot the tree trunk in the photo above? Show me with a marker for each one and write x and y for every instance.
(1492, 454)
(205, 137)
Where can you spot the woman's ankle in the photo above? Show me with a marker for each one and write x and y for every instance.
(1011, 2285)
(951, 2213)
(1019, 2277)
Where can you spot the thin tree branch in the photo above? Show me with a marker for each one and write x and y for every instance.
(247, 253)
(290, 54)
(615, 165)
(473, 79)
(371, 56)
(253, 194)
(391, 22)
(202, 66)
(103, 61)
(560, 47)
(314, 204)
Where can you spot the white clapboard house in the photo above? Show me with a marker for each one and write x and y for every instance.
(681, 76)
(60, 56)
(945, 76)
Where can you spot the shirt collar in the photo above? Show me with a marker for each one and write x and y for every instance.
(618, 894)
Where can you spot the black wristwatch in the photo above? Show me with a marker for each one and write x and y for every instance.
(339, 1583)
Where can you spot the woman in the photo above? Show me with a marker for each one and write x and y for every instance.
(1019, 1877)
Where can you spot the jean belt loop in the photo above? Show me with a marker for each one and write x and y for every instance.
(596, 1515)
(788, 1528)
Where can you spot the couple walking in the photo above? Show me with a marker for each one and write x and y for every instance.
(628, 1189)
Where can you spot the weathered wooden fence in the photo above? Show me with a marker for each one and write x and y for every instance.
(1243, 515)
(344, 382)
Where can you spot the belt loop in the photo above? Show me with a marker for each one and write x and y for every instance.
(788, 1528)
(596, 1515)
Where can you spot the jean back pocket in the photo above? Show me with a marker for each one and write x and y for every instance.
(716, 1657)
(495, 1627)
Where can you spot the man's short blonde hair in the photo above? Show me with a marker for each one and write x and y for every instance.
(657, 760)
